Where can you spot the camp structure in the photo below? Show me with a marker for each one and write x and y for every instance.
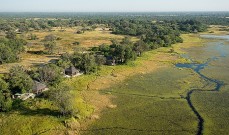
(39, 87)
(72, 71)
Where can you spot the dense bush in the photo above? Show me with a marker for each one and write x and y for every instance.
(63, 99)
(5, 96)
(49, 74)
(10, 49)
(19, 80)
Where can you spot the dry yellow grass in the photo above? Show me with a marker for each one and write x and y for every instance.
(215, 29)
(87, 39)
(28, 61)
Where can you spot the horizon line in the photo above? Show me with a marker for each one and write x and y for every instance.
(104, 11)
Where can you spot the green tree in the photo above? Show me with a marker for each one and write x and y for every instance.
(126, 41)
(6, 54)
(139, 47)
(129, 54)
(50, 74)
(63, 99)
(19, 80)
(17, 45)
(50, 46)
(32, 36)
(100, 60)
(5, 99)
(23, 28)
(105, 50)
(11, 35)
(118, 52)
(85, 62)
(77, 60)
(64, 61)
(50, 38)
(167, 40)
(89, 63)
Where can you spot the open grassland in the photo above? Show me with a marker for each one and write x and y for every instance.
(153, 85)
(68, 37)
(145, 105)
(190, 40)
(142, 115)
(88, 39)
(28, 61)
(217, 30)
(213, 107)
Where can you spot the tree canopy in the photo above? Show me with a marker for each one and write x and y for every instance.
(19, 80)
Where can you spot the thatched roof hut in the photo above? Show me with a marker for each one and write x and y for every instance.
(110, 61)
(38, 87)
(72, 71)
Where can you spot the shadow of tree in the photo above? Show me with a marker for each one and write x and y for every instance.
(36, 52)
(41, 112)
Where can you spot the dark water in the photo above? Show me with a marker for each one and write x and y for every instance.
(216, 51)
(198, 67)
(220, 50)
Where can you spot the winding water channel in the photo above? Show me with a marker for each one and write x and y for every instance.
(170, 101)
(221, 48)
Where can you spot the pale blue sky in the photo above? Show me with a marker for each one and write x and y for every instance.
(112, 5)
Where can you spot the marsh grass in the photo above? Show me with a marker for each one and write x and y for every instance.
(142, 115)
(213, 106)
(145, 105)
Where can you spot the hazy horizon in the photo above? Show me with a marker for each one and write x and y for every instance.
(113, 6)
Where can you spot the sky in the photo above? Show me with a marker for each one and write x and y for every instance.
(112, 5)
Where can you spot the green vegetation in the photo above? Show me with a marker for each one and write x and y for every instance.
(5, 99)
(50, 46)
(19, 80)
(214, 105)
(146, 106)
(62, 97)
(49, 74)
(10, 49)
(32, 117)
(141, 101)
(214, 109)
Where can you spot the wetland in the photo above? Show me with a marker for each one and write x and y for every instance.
(184, 98)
